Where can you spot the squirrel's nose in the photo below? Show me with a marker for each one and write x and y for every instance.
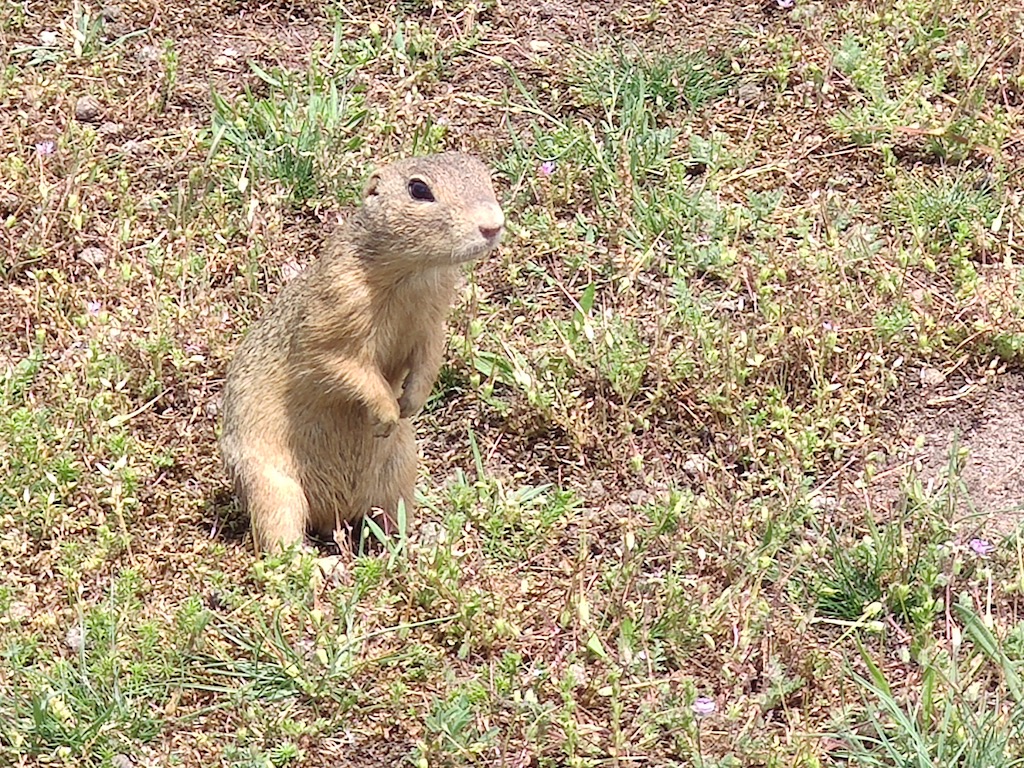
(491, 222)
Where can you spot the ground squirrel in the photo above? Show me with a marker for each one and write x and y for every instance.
(317, 400)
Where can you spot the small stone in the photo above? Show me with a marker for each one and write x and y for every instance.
(227, 59)
(639, 496)
(132, 146)
(211, 408)
(931, 377)
(579, 675)
(109, 129)
(148, 54)
(290, 270)
(733, 305)
(111, 14)
(87, 109)
(333, 569)
(695, 464)
(616, 510)
(9, 203)
(93, 256)
(540, 46)
(122, 761)
(748, 93)
(824, 503)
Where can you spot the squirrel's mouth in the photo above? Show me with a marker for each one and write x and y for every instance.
(475, 250)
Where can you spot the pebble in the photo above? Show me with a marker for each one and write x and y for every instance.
(19, 611)
(432, 534)
(695, 465)
(87, 109)
(748, 93)
(824, 503)
(211, 408)
(147, 54)
(640, 496)
(93, 256)
(333, 569)
(9, 203)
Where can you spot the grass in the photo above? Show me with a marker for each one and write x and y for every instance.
(954, 721)
(684, 450)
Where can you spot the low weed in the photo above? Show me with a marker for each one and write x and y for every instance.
(100, 696)
(298, 136)
(963, 712)
(955, 209)
(898, 567)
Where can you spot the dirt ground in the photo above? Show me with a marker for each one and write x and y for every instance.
(982, 417)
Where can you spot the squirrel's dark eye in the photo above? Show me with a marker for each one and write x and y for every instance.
(419, 190)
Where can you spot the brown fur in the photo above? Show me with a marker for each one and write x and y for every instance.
(318, 398)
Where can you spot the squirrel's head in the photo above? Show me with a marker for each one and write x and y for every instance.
(438, 210)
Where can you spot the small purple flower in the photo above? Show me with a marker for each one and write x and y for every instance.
(704, 706)
(44, 148)
(785, 4)
(93, 307)
(546, 168)
(981, 547)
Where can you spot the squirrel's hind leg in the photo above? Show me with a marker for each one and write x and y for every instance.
(277, 506)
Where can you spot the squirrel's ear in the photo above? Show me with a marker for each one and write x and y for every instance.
(370, 190)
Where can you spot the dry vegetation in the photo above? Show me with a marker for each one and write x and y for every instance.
(723, 470)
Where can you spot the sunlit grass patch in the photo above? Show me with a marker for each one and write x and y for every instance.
(100, 694)
(300, 135)
(965, 708)
(907, 66)
(623, 81)
(954, 208)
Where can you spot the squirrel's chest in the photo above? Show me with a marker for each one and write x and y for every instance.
(410, 316)
(401, 331)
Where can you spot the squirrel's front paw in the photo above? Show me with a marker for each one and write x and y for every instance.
(413, 397)
(386, 423)
(406, 408)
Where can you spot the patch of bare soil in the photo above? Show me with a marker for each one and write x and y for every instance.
(985, 418)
